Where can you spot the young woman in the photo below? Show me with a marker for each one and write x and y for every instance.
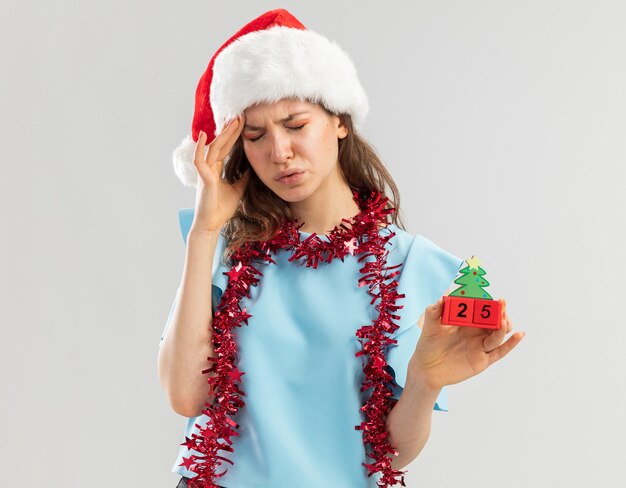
(303, 345)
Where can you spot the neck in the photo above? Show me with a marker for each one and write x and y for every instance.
(325, 209)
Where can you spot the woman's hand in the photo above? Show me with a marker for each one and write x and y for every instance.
(448, 354)
(216, 200)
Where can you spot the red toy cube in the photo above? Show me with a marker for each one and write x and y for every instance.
(458, 310)
(487, 313)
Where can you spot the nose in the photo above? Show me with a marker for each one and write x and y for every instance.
(281, 148)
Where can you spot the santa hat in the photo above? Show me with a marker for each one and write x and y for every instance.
(271, 58)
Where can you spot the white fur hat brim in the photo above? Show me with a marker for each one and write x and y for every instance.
(281, 62)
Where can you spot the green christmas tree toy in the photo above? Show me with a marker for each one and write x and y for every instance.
(470, 305)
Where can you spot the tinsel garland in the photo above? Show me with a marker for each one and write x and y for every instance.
(361, 238)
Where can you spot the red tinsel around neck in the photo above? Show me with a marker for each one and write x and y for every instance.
(361, 238)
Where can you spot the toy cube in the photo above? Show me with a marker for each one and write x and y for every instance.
(487, 313)
(457, 310)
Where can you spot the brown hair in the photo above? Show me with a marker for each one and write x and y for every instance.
(261, 212)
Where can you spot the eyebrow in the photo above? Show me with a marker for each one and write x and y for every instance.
(286, 119)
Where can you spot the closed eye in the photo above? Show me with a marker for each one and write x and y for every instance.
(290, 128)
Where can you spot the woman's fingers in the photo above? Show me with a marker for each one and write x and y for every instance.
(224, 142)
(198, 154)
(237, 130)
(495, 338)
(493, 343)
(219, 148)
(499, 352)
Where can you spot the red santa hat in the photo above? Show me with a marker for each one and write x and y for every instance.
(271, 58)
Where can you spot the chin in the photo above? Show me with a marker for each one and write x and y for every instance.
(293, 194)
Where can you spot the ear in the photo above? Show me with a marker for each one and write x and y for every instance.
(342, 130)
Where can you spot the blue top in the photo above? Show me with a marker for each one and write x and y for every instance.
(303, 380)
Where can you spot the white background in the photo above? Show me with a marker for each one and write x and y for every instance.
(503, 124)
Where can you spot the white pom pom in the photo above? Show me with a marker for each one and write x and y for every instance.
(182, 158)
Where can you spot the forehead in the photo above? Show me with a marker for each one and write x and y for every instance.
(281, 108)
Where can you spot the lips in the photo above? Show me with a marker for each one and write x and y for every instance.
(289, 172)
(292, 179)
